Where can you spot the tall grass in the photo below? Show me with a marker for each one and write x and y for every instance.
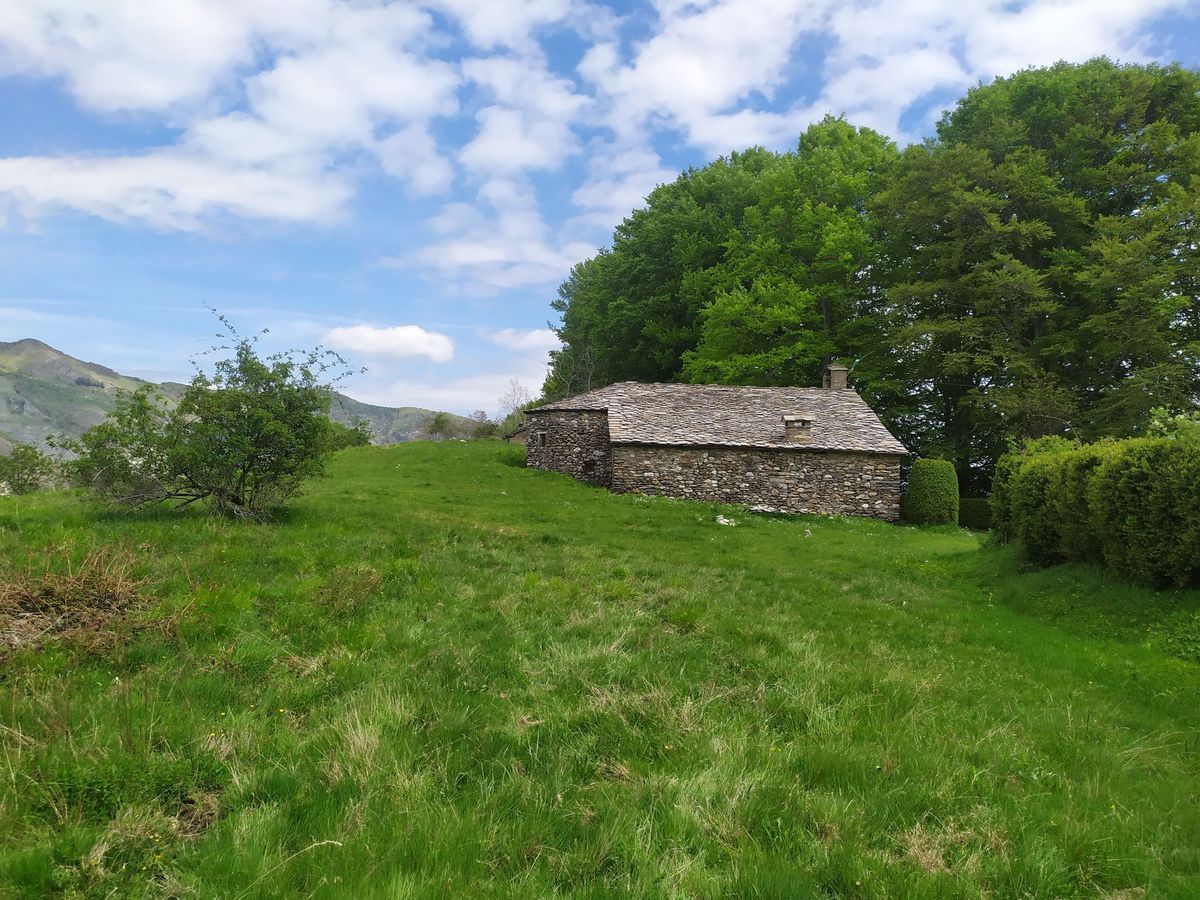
(442, 674)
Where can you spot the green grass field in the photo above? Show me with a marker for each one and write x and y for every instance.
(441, 674)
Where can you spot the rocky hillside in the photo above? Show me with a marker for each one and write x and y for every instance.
(44, 391)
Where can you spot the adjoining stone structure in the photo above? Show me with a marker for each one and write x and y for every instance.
(802, 450)
(572, 441)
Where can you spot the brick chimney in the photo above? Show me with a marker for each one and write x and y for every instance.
(796, 428)
(835, 377)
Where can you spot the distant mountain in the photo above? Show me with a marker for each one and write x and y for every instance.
(44, 391)
(392, 425)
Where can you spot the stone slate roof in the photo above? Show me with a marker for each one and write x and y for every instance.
(719, 415)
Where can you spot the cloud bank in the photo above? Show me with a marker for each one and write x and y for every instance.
(539, 123)
(394, 342)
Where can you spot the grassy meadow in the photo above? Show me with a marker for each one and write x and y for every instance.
(441, 674)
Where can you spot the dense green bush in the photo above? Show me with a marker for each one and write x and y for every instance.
(1007, 468)
(1032, 522)
(340, 436)
(1069, 506)
(1000, 500)
(1133, 505)
(975, 513)
(932, 495)
(25, 470)
(1051, 513)
(1146, 503)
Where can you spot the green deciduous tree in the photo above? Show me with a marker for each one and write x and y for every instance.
(482, 425)
(632, 312)
(1042, 265)
(794, 290)
(751, 270)
(25, 470)
(439, 426)
(1032, 270)
(242, 439)
(357, 434)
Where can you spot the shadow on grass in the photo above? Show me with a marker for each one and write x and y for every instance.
(1083, 599)
(291, 514)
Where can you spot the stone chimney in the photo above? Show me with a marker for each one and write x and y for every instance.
(796, 428)
(835, 377)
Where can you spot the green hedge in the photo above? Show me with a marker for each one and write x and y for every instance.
(975, 513)
(932, 495)
(1132, 505)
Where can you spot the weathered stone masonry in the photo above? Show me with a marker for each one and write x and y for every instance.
(831, 482)
(574, 442)
(800, 450)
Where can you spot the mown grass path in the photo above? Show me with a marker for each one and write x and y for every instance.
(441, 674)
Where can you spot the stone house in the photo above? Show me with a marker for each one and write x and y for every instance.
(798, 450)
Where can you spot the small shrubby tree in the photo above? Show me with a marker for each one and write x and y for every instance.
(482, 426)
(357, 434)
(514, 402)
(439, 426)
(25, 470)
(243, 439)
(516, 397)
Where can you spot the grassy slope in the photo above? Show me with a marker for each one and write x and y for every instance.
(555, 689)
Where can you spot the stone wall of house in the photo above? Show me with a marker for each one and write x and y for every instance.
(573, 442)
(794, 481)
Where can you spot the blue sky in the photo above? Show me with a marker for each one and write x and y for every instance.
(409, 182)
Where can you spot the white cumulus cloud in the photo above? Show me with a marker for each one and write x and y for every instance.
(274, 104)
(501, 242)
(536, 341)
(283, 110)
(528, 124)
(396, 341)
(512, 23)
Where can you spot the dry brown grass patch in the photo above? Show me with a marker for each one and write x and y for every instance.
(927, 847)
(613, 771)
(350, 587)
(87, 605)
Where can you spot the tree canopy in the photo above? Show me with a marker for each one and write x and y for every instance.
(242, 439)
(1032, 269)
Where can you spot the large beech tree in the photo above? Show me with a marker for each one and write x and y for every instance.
(1033, 269)
(1041, 268)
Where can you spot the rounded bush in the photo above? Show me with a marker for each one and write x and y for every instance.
(1008, 472)
(932, 495)
(1147, 505)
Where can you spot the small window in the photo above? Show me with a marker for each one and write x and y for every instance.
(589, 467)
(541, 439)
